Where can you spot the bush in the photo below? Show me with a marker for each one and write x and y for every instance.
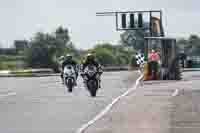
(105, 57)
(10, 62)
(109, 54)
(133, 62)
(11, 58)
(44, 47)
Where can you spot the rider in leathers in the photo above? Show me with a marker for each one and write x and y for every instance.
(90, 60)
(69, 61)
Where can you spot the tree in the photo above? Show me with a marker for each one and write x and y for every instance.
(45, 48)
(190, 46)
(63, 42)
(134, 38)
(105, 57)
(194, 45)
(109, 54)
(62, 35)
(20, 46)
(182, 43)
(41, 50)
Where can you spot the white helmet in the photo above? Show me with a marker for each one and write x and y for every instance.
(61, 58)
(68, 56)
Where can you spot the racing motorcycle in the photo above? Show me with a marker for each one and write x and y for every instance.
(69, 77)
(91, 77)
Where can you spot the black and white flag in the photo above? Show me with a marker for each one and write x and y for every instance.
(140, 58)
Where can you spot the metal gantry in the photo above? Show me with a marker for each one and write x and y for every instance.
(135, 23)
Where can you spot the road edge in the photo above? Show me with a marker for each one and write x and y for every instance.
(84, 127)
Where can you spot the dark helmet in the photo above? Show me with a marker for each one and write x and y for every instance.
(90, 57)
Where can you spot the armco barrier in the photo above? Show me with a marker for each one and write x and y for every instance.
(33, 71)
(49, 72)
(116, 68)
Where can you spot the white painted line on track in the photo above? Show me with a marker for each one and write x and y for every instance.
(108, 107)
(175, 93)
(8, 94)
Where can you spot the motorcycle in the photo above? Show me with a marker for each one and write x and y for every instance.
(91, 77)
(69, 77)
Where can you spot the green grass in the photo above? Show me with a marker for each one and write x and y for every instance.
(11, 65)
(24, 74)
(11, 62)
(11, 58)
(21, 71)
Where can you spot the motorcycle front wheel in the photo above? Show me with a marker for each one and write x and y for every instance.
(69, 85)
(92, 86)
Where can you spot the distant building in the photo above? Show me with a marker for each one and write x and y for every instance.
(8, 51)
(20, 45)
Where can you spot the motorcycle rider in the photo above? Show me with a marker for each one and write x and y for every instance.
(90, 60)
(60, 61)
(69, 61)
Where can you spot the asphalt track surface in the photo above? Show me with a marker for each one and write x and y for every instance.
(156, 107)
(40, 104)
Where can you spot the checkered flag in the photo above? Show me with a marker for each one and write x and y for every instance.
(140, 59)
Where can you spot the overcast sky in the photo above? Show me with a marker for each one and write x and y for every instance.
(20, 19)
